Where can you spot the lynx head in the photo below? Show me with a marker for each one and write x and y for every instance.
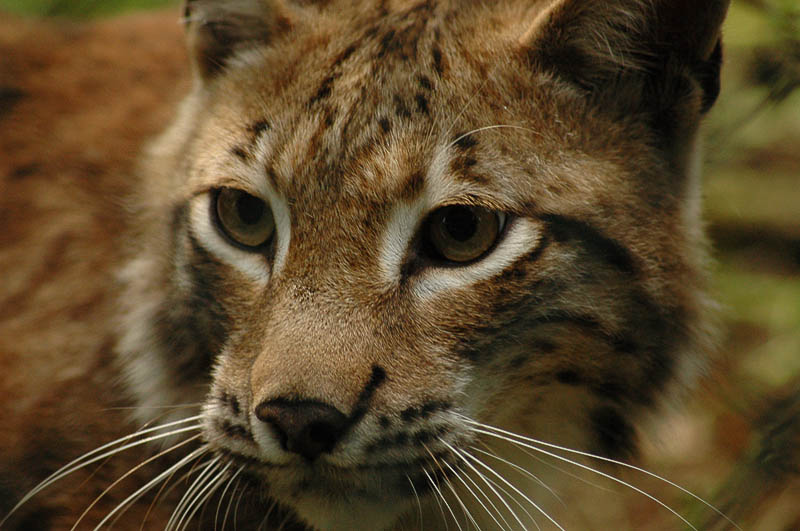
(377, 228)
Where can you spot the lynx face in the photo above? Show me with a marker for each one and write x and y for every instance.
(377, 235)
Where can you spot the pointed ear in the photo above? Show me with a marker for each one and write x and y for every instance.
(216, 29)
(668, 51)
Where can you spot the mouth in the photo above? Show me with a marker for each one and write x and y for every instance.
(352, 483)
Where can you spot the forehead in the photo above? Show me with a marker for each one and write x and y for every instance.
(373, 99)
(377, 107)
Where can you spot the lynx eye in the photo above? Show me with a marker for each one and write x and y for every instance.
(462, 233)
(243, 218)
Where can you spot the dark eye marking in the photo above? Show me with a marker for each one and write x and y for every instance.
(566, 229)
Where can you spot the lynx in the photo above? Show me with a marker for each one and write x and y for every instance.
(387, 257)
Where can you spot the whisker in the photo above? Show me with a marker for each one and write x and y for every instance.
(592, 470)
(607, 460)
(175, 406)
(419, 503)
(515, 490)
(211, 487)
(204, 470)
(222, 497)
(466, 511)
(76, 464)
(486, 480)
(439, 503)
(149, 485)
(527, 473)
(195, 491)
(441, 496)
(466, 105)
(230, 501)
(489, 127)
(562, 471)
(236, 510)
(489, 500)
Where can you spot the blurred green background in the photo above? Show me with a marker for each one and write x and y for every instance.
(740, 442)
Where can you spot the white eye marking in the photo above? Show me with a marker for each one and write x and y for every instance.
(522, 237)
(403, 224)
(252, 265)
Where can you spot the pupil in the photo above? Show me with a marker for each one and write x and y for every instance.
(460, 223)
(250, 209)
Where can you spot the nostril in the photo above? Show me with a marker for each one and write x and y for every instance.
(323, 434)
(304, 427)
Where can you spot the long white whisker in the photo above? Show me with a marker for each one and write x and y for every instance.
(439, 503)
(77, 464)
(522, 471)
(466, 105)
(489, 127)
(483, 493)
(444, 477)
(209, 490)
(179, 510)
(488, 484)
(150, 484)
(419, 503)
(236, 509)
(590, 469)
(607, 460)
(230, 501)
(469, 515)
(515, 490)
(222, 496)
(133, 500)
(129, 472)
(174, 406)
(441, 496)
(194, 493)
(562, 471)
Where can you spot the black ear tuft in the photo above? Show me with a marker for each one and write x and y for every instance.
(216, 29)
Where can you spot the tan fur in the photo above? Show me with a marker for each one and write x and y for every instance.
(353, 121)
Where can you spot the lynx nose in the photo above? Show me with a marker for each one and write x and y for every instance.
(304, 427)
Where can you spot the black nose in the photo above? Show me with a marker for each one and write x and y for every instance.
(305, 427)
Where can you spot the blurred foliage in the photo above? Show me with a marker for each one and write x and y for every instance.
(79, 8)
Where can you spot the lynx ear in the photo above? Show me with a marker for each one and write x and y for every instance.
(667, 47)
(216, 29)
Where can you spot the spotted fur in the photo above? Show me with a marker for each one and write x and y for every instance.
(354, 121)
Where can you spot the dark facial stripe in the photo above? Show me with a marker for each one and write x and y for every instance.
(9, 97)
(615, 437)
(191, 325)
(376, 379)
(565, 229)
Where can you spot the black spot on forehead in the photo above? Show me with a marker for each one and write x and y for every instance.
(464, 141)
(425, 82)
(258, 127)
(422, 103)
